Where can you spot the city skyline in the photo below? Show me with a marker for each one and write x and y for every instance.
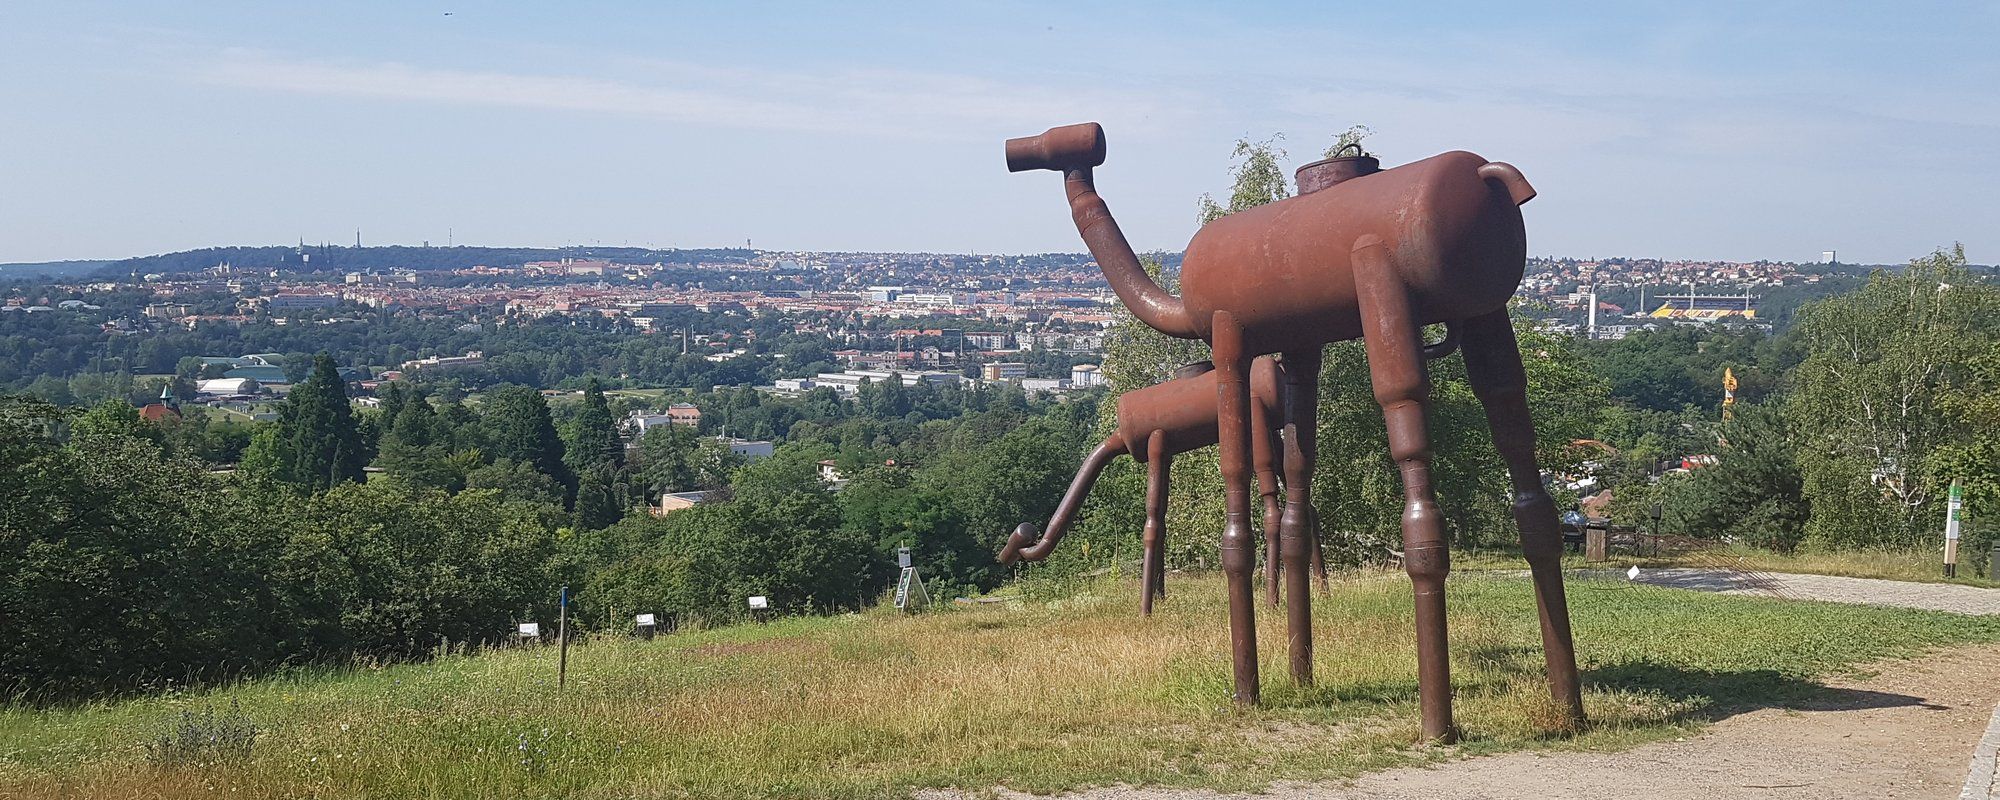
(1690, 131)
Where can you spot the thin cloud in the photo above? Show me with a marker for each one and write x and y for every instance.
(873, 102)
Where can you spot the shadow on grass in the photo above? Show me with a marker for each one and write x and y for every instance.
(1697, 694)
(1711, 695)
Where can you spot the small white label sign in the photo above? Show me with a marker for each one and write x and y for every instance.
(531, 629)
(645, 619)
(759, 603)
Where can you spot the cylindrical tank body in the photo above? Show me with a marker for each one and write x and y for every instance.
(1456, 240)
(1185, 409)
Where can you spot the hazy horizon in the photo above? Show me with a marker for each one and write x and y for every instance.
(1078, 250)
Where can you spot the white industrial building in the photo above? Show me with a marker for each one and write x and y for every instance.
(849, 382)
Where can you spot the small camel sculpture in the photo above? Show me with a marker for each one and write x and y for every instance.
(1364, 253)
(1155, 424)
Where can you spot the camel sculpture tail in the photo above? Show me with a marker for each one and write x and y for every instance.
(1021, 545)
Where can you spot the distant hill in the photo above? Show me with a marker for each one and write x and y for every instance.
(50, 269)
(332, 258)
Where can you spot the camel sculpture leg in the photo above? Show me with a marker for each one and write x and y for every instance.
(1394, 344)
(1160, 552)
(1264, 450)
(1239, 554)
(1296, 529)
(1318, 552)
(1153, 562)
(1493, 366)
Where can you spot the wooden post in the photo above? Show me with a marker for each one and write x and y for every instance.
(562, 633)
(1593, 542)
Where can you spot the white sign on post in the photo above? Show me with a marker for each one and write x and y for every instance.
(645, 619)
(760, 603)
(1954, 508)
(531, 630)
(1954, 511)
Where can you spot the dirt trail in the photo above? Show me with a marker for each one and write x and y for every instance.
(1904, 733)
(1951, 597)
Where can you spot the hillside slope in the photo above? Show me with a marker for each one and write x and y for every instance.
(1071, 691)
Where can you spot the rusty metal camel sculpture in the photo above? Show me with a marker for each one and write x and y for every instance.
(1359, 253)
(1155, 424)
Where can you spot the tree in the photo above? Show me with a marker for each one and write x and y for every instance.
(117, 565)
(518, 428)
(392, 397)
(593, 434)
(1753, 493)
(667, 458)
(1871, 401)
(1349, 139)
(1256, 179)
(515, 480)
(1000, 483)
(316, 444)
(1357, 489)
(597, 503)
(391, 571)
(114, 418)
(416, 446)
(714, 463)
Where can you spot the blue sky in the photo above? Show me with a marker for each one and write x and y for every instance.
(1689, 129)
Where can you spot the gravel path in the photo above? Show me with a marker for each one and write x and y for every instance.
(1982, 781)
(1955, 598)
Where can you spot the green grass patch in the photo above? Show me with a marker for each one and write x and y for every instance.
(1034, 695)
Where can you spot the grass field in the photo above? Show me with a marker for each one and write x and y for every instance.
(1041, 694)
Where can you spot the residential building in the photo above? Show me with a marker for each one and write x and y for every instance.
(436, 364)
(750, 450)
(299, 301)
(670, 503)
(1004, 371)
(684, 414)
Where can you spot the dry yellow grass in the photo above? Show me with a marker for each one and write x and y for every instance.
(1035, 695)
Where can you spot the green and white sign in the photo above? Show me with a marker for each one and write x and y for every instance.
(1954, 511)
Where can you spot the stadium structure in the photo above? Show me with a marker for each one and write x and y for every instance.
(1706, 307)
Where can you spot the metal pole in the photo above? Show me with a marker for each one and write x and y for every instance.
(562, 633)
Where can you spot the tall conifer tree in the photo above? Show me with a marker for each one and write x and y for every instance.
(317, 444)
(518, 425)
(593, 435)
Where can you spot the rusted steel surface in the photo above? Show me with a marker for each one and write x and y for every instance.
(1155, 424)
(1364, 253)
(1329, 171)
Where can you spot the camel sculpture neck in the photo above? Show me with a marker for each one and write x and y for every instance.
(1161, 311)
(1018, 545)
